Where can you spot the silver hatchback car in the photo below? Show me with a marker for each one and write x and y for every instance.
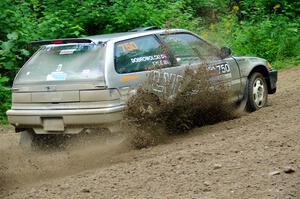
(70, 85)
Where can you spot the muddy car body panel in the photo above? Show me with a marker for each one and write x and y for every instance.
(249, 65)
(73, 84)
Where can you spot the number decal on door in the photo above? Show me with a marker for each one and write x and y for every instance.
(220, 68)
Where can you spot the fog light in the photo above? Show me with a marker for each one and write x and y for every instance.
(269, 65)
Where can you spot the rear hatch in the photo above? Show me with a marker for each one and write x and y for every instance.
(64, 73)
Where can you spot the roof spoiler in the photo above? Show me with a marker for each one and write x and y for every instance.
(145, 29)
(59, 41)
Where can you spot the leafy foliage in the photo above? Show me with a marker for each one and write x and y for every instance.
(275, 38)
(4, 98)
(265, 28)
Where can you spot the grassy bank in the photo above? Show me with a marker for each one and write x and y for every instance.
(265, 28)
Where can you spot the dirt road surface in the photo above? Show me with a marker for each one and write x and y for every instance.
(254, 156)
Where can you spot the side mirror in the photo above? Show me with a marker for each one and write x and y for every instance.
(225, 52)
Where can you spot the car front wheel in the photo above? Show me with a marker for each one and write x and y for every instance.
(257, 92)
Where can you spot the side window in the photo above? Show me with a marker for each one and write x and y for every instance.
(187, 47)
(140, 54)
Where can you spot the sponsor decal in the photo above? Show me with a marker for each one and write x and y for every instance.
(129, 46)
(149, 58)
(129, 78)
(56, 76)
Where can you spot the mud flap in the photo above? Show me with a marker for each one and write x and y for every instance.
(243, 103)
(26, 140)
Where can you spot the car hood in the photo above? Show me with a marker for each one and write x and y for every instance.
(250, 59)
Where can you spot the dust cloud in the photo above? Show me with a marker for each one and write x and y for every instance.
(150, 117)
(21, 168)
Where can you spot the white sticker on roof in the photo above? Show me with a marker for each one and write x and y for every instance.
(67, 51)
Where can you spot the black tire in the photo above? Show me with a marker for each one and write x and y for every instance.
(49, 141)
(30, 141)
(257, 92)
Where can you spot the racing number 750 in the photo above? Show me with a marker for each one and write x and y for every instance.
(223, 68)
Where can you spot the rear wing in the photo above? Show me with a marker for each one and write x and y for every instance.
(59, 41)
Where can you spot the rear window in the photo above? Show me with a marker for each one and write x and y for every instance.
(140, 54)
(67, 62)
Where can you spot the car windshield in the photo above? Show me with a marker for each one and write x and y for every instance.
(66, 62)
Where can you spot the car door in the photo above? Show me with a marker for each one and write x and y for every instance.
(191, 51)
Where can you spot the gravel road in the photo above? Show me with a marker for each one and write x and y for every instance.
(254, 156)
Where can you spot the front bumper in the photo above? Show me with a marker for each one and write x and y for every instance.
(272, 81)
(75, 118)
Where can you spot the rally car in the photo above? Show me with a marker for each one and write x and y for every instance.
(70, 85)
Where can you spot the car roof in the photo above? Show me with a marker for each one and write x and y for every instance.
(128, 35)
(108, 37)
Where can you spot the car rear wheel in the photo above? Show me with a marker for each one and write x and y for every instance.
(29, 140)
(257, 92)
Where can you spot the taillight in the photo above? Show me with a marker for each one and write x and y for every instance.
(57, 42)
